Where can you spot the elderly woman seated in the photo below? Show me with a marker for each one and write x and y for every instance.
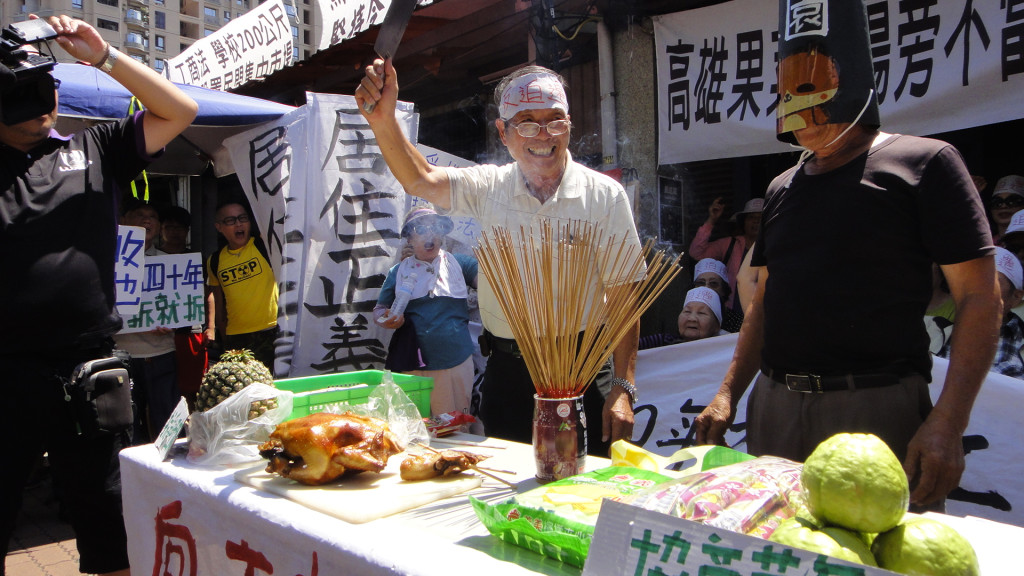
(701, 318)
(711, 273)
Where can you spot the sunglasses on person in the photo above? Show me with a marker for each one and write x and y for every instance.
(531, 129)
(440, 226)
(232, 220)
(1011, 201)
(714, 283)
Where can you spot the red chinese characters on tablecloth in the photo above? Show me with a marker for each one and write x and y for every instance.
(176, 549)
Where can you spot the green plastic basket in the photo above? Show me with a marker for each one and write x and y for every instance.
(314, 393)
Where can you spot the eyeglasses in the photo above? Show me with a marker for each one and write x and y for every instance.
(714, 284)
(232, 220)
(531, 129)
(1011, 201)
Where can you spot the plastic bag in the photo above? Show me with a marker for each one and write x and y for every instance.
(391, 404)
(225, 436)
(558, 519)
(750, 497)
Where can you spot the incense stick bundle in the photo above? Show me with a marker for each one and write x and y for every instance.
(541, 277)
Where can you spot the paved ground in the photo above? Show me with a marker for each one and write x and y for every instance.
(43, 544)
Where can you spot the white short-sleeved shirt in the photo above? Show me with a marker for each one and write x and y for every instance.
(498, 196)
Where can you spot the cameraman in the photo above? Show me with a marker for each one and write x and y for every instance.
(58, 226)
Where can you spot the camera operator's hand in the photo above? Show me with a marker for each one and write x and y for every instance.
(78, 38)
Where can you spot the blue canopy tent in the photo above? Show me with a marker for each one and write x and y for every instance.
(87, 96)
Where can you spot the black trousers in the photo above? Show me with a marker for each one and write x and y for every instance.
(84, 465)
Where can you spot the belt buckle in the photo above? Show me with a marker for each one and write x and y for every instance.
(806, 383)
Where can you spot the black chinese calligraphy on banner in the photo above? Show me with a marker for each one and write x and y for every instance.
(938, 66)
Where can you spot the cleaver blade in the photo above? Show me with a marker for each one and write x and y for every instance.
(391, 31)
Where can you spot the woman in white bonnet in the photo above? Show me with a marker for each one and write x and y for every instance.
(700, 318)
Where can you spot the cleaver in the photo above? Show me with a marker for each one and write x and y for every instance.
(391, 31)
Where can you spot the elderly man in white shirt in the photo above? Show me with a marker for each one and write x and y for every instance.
(543, 183)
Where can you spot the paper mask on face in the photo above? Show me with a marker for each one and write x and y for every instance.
(825, 73)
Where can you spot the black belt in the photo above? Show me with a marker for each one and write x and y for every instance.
(816, 384)
(506, 345)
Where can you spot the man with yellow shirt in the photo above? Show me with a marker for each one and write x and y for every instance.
(243, 285)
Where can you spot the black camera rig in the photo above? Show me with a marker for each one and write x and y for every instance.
(26, 85)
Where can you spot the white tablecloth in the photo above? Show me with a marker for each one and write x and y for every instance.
(188, 520)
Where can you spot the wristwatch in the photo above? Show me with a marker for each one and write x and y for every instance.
(628, 387)
(107, 63)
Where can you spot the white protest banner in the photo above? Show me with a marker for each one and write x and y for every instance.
(677, 382)
(330, 211)
(343, 19)
(250, 47)
(939, 66)
(128, 269)
(466, 228)
(171, 294)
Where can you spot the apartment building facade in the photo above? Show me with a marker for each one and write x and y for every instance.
(155, 31)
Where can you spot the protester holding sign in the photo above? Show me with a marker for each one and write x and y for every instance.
(865, 213)
(543, 183)
(58, 228)
(154, 366)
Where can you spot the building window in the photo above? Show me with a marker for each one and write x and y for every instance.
(295, 33)
(136, 40)
(160, 43)
(160, 20)
(207, 32)
(227, 15)
(108, 2)
(295, 53)
(76, 4)
(305, 36)
(159, 65)
(210, 16)
(305, 16)
(106, 24)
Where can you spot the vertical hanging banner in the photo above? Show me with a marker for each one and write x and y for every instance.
(938, 67)
(249, 47)
(343, 19)
(330, 211)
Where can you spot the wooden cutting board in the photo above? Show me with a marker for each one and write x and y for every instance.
(363, 497)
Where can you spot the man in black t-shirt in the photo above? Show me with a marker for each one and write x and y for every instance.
(846, 245)
(58, 226)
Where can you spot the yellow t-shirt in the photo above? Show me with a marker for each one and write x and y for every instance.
(250, 290)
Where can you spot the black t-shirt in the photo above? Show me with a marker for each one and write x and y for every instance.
(849, 256)
(58, 232)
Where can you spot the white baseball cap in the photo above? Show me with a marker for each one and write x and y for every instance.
(1012, 184)
(1008, 265)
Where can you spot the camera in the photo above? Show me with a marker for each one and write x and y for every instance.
(26, 85)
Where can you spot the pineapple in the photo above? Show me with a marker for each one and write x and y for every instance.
(236, 370)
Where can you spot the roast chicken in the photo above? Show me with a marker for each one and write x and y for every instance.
(319, 448)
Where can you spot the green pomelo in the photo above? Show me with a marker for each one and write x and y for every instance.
(855, 481)
(830, 540)
(925, 547)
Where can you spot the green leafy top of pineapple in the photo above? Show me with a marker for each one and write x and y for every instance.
(235, 370)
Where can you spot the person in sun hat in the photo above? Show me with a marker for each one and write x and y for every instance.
(732, 249)
(1007, 200)
(866, 214)
(712, 274)
(1008, 359)
(437, 315)
(542, 183)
